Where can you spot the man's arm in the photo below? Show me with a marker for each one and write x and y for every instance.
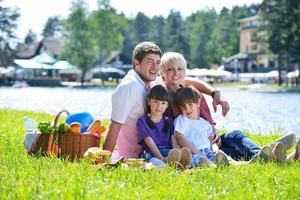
(205, 88)
(112, 135)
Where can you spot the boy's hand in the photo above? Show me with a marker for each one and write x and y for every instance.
(214, 147)
(215, 138)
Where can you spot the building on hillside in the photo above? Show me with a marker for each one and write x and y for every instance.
(51, 46)
(114, 66)
(252, 56)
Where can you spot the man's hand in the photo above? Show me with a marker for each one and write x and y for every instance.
(219, 100)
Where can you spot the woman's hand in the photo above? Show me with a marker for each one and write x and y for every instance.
(219, 100)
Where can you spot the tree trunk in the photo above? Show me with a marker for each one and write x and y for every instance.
(82, 77)
(287, 67)
(279, 70)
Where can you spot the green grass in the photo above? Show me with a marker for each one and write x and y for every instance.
(26, 177)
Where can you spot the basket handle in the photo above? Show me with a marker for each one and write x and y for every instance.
(53, 148)
(58, 115)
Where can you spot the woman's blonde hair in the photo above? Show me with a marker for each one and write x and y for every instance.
(172, 58)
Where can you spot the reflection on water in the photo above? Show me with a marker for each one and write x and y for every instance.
(253, 111)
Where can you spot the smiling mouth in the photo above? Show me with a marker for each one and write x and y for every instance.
(153, 72)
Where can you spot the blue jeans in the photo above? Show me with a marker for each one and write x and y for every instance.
(155, 161)
(238, 146)
(147, 155)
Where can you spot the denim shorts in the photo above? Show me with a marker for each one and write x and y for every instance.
(197, 159)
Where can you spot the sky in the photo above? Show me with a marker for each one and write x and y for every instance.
(34, 13)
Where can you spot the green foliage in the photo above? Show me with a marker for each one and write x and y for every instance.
(175, 40)
(8, 26)
(202, 26)
(283, 36)
(78, 48)
(30, 38)
(54, 27)
(107, 28)
(26, 177)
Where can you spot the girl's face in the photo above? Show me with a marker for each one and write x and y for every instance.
(190, 110)
(173, 75)
(157, 107)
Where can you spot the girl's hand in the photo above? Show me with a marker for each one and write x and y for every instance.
(164, 159)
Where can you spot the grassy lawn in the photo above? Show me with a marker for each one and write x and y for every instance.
(25, 177)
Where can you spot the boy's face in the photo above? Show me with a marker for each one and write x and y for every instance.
(148, 68)
(190, 110)
(157, 107)
(173, 75)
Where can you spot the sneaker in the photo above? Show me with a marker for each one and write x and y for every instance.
(221, 158)
(186, 157)
(279, 152)
(173, 158)
(265, 154)
(288, 141)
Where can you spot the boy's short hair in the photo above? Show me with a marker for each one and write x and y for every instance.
(186, 95)
(172, 58)
(144, 48)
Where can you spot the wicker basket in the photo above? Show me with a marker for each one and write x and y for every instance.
(73, 146)
(39, 144)
(70, 146)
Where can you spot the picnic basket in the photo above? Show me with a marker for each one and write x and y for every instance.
(70, 146)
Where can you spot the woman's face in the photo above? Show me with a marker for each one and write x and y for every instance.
(173, 74)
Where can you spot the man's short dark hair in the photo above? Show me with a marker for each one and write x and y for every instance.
(144, 48)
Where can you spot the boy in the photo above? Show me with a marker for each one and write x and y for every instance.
(194, 132)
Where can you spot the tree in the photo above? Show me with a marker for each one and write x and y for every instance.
(107, 28)
(158, 34)
(142, 28)
(8, 39)
(78, 48)
(54, 27)
(283, 36)
(31, 37)
(201, 24)
(175, 38)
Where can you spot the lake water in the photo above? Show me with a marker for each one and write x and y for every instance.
(257, 112)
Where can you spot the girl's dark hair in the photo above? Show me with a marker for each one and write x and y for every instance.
(186, 95)
(159, 93)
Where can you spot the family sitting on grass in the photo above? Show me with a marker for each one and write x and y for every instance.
(167, 121)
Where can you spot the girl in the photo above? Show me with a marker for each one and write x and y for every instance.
(156, 133)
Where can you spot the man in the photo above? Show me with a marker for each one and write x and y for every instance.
(129, 98)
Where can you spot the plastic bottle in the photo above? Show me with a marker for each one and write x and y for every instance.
(30, 125)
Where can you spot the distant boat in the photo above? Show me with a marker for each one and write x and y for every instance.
(20, 84)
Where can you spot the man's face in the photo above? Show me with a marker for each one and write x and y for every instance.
(148, 68)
